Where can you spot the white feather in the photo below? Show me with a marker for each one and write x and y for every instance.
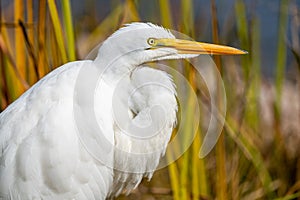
(41, 154)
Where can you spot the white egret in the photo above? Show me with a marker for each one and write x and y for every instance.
(44, 154)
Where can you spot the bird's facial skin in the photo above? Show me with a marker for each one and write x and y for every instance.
(192, 47)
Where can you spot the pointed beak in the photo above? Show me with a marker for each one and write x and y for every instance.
(192, 47)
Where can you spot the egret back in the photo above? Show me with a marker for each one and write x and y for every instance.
(41, 156)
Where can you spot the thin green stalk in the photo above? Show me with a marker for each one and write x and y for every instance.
(199, 179)
(188, 28)
(165, 14)
(173, 173)
(57, 30)
(281, 54)
(195, 169)
(188, 17)
(242, 31)
(188, 131)
(280, 150)
(221, 184)
(67, 15)
(4, 98)
(55, 57)
(221, 168)
(252, 97)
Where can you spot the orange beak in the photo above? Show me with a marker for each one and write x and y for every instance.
(192, 47)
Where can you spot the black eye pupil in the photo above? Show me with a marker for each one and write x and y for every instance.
(151, 41)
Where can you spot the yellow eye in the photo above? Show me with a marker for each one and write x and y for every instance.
(151, 41)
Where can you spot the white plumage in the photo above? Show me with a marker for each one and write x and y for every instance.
(42, 155)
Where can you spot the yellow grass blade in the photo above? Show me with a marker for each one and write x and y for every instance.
(187, 17)
(20, 59)
(173, 173)
(42, 62)
(9, 77)
(130, 12)
(165, 14)
(199, 180)
(6, 52)
(106, 27)
(57, 30)
(66, 9)
(32, 78)
(221, 184)
(188, 131)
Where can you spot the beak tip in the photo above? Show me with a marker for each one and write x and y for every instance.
(244, 52)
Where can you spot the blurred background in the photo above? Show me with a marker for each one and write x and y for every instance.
(257, 155)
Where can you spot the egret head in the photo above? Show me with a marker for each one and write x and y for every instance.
(137, 43)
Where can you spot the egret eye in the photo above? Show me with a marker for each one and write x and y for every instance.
(151, 41)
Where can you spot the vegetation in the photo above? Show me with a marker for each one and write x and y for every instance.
(257, 155)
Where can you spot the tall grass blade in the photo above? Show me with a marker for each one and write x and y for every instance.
(199, 177)
(32, 66)
(221, 184)
(106, 27)
(173, 173)
(185, 167)
(252, 153)
(4, 95)
(3, 85)
(41, 34)
(54, 56)
(252, 96)
(57, 30)
(130, 12)
(67, 16)
(9, 91)
(187, 17)
(281, 54)
(20, 59)
(281, 149)
(30, 50)
(10, 59)
(165, 14)
(242, 31)
(188, 28)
